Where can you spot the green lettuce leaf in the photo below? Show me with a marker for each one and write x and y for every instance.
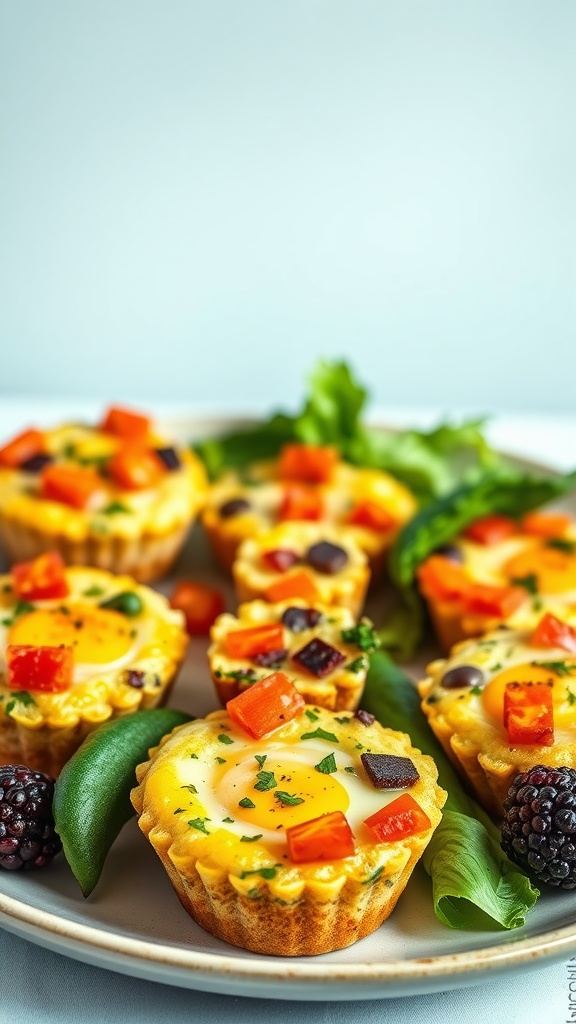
(469, 871)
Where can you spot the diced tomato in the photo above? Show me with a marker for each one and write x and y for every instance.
(499, 602)
(21, 448)
(71, 485)
(328, 837)
(124, 423)
(201, 606)
(491, 529)
(401, 818)
(296, 584)
(443, 580)
(373, 516)
(280, 559)
(41, 579)
(266, 705)
(310, 464)
(546, 524)
(39, 669)
(301, 501)
(134, 468)
(552, 632)
(245, 643)
(528, 713)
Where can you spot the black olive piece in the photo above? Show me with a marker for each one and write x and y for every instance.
(127, 603)
(234, 507)
(461, 676)
(387, 771)
(450, 551)
(366, 717)
(36, 463)
(319, 658)
(170, 458)
(271, 659)
(326, 557)
(135, 678)
(299, 619)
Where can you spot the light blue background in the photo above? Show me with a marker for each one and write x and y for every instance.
(200, 196)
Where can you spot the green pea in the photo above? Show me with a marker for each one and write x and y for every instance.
(92, 795)
(126, 602)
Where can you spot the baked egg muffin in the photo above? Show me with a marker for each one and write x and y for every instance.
(505, 702)
(312, 561)
(286, 829)
(501, 570)
(324, 650)
(117, 495)
(78, 646)
(307, 483)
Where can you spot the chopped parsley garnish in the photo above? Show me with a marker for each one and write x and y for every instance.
(221, 760)
(570, 696)
(560, 668)
(20, 697)
(375, 876)
(350, 769)
(246, 802)
(562, 544)
(358, 665)
(114, 508)
(179, 810)
(319, 734)
(93, 592)
(195, 756)
(495, 668)
(475, 690)
(265, 782)
(229, 821)
(311, 715)
(343, 721)
(198, 823)
(288, 798)
(363, 635)
(20, 608)
(240, 675)
(327, 765)
(529, 582)
(263, 872)
(260, 758)
(250, 839)
(223, 738)
(191, 788)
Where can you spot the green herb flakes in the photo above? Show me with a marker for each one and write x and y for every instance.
(287, 798)
(319, 734)
(223, 738)
(250, 839)
(246, 802)
(265, 782)
(198, 823)
(327, 765)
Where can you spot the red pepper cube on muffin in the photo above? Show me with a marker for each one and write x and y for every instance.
(500, 570)
(324, 650)
(500, 704)
(266, 840)
(116, 496)
(328, 567)
(307, 483)
(74, 656)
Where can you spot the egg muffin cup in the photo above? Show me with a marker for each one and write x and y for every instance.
(339, 688)
(43, 729)
(369, 503)
(99, 499)
(468, 720)
(233, 875)
(343, 587)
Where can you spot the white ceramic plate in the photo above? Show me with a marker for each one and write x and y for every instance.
(134, 923)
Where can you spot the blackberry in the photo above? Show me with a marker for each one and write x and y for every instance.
(539, 827)
(27, 835)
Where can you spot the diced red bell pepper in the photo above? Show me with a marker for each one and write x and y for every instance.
(301, 501)
(528, 713)
(443, 580)
(399, 819)
(41, 579)
(71, 485)
(552, 632)
(546, 524)
(124, 423)
(491, 529)
(21, 448)
(373, 516)
(328, 837)
(295, 584)
(135, 468)
(498, 602)
(245, 643)
(280, 559)
(307, 463)
(39, 669)
(266, 705)
(201, 605)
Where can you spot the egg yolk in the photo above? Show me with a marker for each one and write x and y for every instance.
(313, 793)
(97, 635)
(554, 571)
(563, 687)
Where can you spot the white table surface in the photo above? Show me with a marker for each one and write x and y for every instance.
(40, 986)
